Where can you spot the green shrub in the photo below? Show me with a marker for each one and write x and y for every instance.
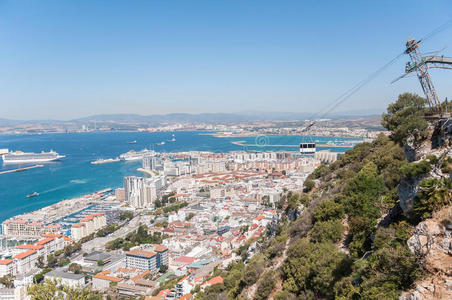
(433, 194)
(308, 185)
(326, 231)
(266, 285)
(284, 295)
(328, 209)
(416, 169)
(314, 267)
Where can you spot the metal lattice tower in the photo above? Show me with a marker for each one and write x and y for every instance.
(421, 64)
(418, 63)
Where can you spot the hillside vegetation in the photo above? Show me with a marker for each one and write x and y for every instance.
(345, 236)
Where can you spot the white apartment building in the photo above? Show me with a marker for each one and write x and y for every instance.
(177, 168)
(152, 163)
(253, 156)
(25, 261)
(141, 192)
(88, 225)
(183, 287)
(7, 266)
(143, 260)
(25, 228)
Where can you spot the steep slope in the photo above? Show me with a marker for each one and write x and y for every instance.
(369, 226)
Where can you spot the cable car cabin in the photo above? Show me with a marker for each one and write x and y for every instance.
(307, 148)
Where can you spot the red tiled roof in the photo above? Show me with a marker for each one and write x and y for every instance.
(53, 226)
(24, 254)
(185, 259)
(141, 275)
(163, 293)
(215, 280)
(30, 246)
(5, 261)
(103, 275)
(52, 235)
(79, 225)
(258, 218)
(45, 241)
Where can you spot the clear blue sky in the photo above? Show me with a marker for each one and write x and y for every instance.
(69, 59)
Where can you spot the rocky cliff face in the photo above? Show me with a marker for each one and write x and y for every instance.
(432, 238)
(432, 244)
(409, 186)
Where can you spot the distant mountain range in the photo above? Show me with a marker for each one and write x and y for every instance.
(196, 118)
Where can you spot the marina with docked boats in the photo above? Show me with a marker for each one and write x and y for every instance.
(63, 214)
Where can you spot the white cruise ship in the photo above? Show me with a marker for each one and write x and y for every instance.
(20, 157)
(134, 155)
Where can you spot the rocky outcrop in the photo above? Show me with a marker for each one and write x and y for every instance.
(432, 288)
(409, 186)
(407, 190)
(432, 241)
(432, 244)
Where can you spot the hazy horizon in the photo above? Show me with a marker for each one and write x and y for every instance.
(69, 60)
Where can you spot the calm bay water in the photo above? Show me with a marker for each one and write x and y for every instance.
(74, 176)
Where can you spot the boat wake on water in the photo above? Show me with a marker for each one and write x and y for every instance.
(79, 181)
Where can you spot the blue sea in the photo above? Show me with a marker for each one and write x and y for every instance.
(74, 176)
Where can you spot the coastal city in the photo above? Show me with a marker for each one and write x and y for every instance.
(225, 150)
(188, 214)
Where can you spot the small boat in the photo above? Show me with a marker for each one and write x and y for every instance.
(33, 195)
(132, 142)
(162, 143)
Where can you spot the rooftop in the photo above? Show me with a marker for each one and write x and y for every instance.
(160, 248)
(5, 261)
(103, 275)
(66, 275)
(24, 254)
(45, 241)
(215, 280)
(141, 253)
(30, 246)
(96, 255)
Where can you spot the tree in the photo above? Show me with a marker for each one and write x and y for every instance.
(266, 285)
(63, 261)
(314, 267)
(405, 119)
(51, 261)
(126, 215)
(40, 262)
(75, 268)
(328, 209)
(433, 194)
(189, 216)
(7, 281)
(308, 185)
(51, 290)
(326, 231)
(163, 268)
(253, 270)
(100, 263)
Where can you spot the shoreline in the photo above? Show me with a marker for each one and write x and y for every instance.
(238, 135)
(55, 211)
